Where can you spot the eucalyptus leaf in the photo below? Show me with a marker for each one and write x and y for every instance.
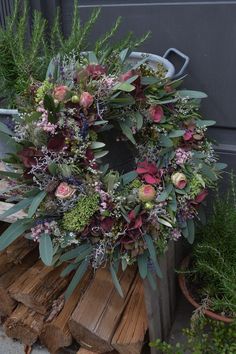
(46, 249)
(205, 123)
(149, 80)
(152, 251)
(208, 172)
(192, 94)
(176, 133)
(4, 129)
(139, 120)
(124, 86)
(165, 141)
(128, 177)
(75, 252)
(164, 222)
(127, 132)
(124, 264)
(165, 194)
(220, 166)
(92, 58)
(35, 203)
(17, 207)
(76, 278)
(96, 145)
(68, 269)
(143, 265)
(100, 154)
(13, 232)
(116, 281)
(124, 54)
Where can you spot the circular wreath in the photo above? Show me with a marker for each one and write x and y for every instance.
(78, 210)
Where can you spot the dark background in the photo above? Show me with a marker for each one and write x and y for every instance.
(204, 30)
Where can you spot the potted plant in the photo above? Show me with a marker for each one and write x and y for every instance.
(204, 336)
(208, 278)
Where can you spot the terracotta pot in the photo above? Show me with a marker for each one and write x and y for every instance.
(186, 292)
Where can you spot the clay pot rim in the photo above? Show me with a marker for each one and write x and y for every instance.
(187, 294)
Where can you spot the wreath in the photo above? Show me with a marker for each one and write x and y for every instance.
(79, 211)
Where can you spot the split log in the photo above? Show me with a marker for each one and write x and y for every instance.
(7, 303)
(15, 253)
(85, 351)
(56, 334)
(96, 317)
(129, 336)
(39, 286)
(24, 324)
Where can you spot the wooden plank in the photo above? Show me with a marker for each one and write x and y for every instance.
(129, 336)
(97, 315)
(152, 301)
(12, 218)
(7, 303)
(56, 334)
(164, 299)
(39, 286)
(24, 324)
(85, 351)
(172, 278)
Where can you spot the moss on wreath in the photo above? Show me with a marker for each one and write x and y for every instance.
(78, 217)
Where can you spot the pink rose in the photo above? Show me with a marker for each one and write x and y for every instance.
(64, 191)
(146, 193)
(188, 135)
(179, 180)
(156, 113)
(86, 100)
(60, 92)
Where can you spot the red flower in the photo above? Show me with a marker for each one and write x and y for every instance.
(29, 156)
(90, 159)
(201, 196)
(149, 172)
(107, 224)
(156, 113)
(56, 143)
(133, 229)
(95, 70)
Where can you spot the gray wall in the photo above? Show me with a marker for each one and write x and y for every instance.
(204, 30)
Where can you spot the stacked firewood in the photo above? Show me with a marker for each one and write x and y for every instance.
(32, 305)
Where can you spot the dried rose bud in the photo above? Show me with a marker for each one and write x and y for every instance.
(60, 92)
(146, 193)
(179, 180)
(86, 100)
(156, 113)
(64, 191)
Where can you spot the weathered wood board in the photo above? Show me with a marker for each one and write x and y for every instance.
(24, 324)
(56, 334)
(130, 333)
(39, 286)
(97, 315)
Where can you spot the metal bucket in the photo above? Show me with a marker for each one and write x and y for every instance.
(153, 60)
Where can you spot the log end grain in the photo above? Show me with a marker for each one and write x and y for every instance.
(24, 325)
